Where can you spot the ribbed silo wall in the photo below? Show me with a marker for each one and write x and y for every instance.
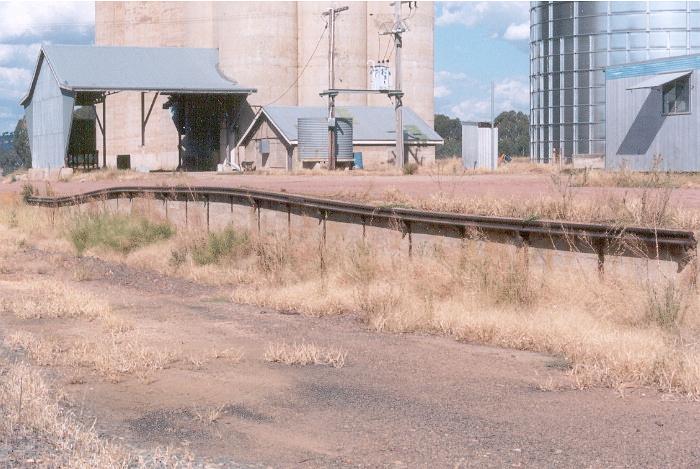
(350, 52)
(570, 45)
(258, 47)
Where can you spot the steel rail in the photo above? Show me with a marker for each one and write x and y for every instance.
(678, 246)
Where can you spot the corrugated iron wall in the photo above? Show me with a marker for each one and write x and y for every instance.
(641, 138)
(49, 117)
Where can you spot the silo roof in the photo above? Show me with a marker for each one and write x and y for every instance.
(163, 69)
(370, 124)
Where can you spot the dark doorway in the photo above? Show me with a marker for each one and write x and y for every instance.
(82, 145)
(199, 120)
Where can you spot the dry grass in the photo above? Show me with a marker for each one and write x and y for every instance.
(649, 207)
(42, 299)
(305, 354)
(111, 358)
(38, 299)
(31, 411)
(635, 328)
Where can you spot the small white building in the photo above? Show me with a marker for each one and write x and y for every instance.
(479, 146)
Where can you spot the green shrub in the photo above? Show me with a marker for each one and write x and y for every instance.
(666, 305)
(218, 245)
(410, 168)
(117, 232)
(28, 190)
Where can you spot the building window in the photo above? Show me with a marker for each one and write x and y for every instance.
(676, 96)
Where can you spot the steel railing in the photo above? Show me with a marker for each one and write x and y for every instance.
(674, 245)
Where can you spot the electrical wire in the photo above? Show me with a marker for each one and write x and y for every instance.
(388, 45)
(323, 33)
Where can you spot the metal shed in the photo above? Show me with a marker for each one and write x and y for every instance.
(479, 145)
(652, 121)
(66, 76)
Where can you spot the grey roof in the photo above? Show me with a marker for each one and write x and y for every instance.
(370, 124)
(165, 69)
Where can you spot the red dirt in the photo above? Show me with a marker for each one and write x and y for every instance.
(401, 400)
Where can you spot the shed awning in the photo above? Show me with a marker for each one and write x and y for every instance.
(659, 80)
(170, 70)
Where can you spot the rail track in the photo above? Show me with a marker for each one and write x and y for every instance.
(673, 245)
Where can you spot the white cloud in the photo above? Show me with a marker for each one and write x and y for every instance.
(441, 91)
(509, 94)
(517, 32)
(19, 54)
(514, 92)
(445, 81)
(493, 16)
(14, 82)
(21, 19)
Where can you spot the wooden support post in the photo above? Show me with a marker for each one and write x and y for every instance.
(104, 131)
(364, 228)
(524, 247)
(207, 203)
(324, 215)
(186, 215)
(600, 246)
(410, 239)
(289, 221)
(258, 214)
(165, 202)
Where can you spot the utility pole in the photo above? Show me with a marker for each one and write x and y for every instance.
(332, 13)
(494, 159)
(396, 31)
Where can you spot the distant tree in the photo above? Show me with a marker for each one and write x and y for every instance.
(18, 155)
(21, 144)
(513, 133)
(451, 131)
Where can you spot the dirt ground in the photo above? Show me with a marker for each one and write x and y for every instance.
(400, 400)
(505, 185)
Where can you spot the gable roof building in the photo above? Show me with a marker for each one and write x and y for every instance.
(373, 129)
(66, 75)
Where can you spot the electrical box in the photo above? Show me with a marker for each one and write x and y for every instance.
(331, 122)
(265, 146)
(380, 77)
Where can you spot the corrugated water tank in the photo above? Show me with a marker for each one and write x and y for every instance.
(313, 138)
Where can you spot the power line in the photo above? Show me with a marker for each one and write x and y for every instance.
(323, 33)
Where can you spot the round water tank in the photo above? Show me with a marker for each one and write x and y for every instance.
(313, 138)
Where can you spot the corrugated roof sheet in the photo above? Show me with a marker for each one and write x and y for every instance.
(653, 67)
(659, 80)
(165, 69)
(369, 123)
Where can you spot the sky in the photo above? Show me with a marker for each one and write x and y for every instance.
(475, 43)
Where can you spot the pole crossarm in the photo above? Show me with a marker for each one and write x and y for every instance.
(337, 91)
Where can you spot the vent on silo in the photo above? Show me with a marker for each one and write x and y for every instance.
(380, 77)
(313, 138)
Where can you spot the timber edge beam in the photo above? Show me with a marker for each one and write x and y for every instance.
(673, 245)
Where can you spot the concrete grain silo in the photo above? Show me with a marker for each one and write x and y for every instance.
(257, 44)
(350, 50)
(264, 45)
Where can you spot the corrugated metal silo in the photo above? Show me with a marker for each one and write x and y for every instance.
(313, 138)
(571, 43)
